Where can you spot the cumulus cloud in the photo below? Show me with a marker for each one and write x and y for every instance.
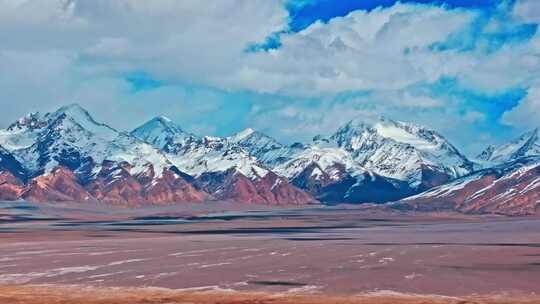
(60, 51)
(389, 48)
(52, 51)
(527, 10)
(381, 49)
(526, 114)
(188, 40)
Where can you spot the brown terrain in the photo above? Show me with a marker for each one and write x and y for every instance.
(92, 295)
(70, 157)
(220, 253)
(58, 186)
(115, 185)
(511, 189)
(11, 187)
(270, 189)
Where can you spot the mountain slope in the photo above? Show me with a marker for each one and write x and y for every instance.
(65, 151)
(160, 131)
(361, 162)
(220, 165)
(66, 155)
(12, 175)
(264, 148)
(195, 155)
(407, 152)
(334, 177)
(511, 188)
(10, 164)
(527, 144)
(70, 137)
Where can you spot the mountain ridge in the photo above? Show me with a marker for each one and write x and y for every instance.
(525, 145)
(68, 155)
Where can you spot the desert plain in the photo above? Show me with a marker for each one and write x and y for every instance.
(226, 253)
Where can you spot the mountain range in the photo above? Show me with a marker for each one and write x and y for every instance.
(66, 155)
(508, 183)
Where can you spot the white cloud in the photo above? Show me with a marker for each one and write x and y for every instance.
(185, 40)
(59, 51)
(387, 48)
(527, 10)
(527, 113)
(32, 80)
(526, 67)
(474, 116)
(190, 41)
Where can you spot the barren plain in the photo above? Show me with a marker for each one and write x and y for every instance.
(227, 254)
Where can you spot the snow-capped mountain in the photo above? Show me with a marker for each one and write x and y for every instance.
(161, 131)
(220, 165)
(325, 172)
(263, 147)
(66, 154)
(334, 177)
(197, 155)
(402, 151)
(527, 144)
(70, 137)
(402, 158)
(511, 188)
(327, 163)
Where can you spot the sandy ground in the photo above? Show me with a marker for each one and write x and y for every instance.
(92, 295)
(316, 255)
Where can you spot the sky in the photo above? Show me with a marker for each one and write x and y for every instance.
(290, 68)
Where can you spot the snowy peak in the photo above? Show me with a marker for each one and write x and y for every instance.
(325, 159)
(72, 138)
(264, 148)
(527, 144)
(68, 155)
(416, 136)
(163, 123)
(35, 139)
(401, 132)
(242, 135)
(251, 138)
(74, 114)
(75, 110)
(346, 134)
(77, 113)
(213, 154)
(28, 122)
(531, 145)
(399, 150)
(160, 131)
(198, 155)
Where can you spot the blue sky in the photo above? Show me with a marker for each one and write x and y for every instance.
(305, 12)
(290, 68)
